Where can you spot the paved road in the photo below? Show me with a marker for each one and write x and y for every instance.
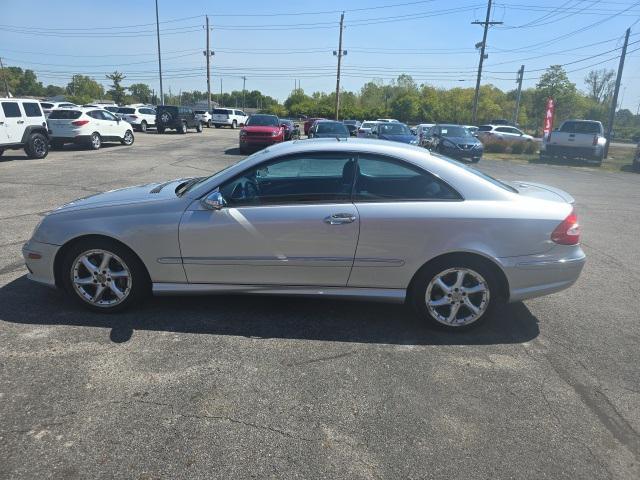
(242, 387)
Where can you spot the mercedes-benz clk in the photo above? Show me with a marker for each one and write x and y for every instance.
(359, 219)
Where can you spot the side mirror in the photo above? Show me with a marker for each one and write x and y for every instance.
(214, 201)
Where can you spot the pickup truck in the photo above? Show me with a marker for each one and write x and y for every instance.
(575, 139)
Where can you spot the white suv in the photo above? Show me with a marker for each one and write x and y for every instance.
(503, 132)
(22, 125)
(229, 117)
(139, 117)
(204, 117)
(87, 126)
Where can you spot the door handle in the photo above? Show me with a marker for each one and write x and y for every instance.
(340, 218)
(20, 121)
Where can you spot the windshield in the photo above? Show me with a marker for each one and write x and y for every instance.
(64, 115)
(368, 124)
(331, 127)
(200, 112)
(262, 121)
(221, 111)
(454, 131)
(126, 110)
(393, 128)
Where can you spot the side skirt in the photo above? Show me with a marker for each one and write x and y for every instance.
(392, 295)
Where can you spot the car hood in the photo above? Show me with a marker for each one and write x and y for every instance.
(150, 192)
(541, 191)
(463, 140)
(260, 129)
(398, 138)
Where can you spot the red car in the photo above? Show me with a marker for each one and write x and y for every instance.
(261, 131)
(309, 123)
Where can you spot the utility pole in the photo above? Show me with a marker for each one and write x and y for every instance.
(4, 76)
(244, 81)
(159, 56)
(208, 53)
(614, 100)
(221, 102)
(518, 95)
(339, 54)
(486, 25)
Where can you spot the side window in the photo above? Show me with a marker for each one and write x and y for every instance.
(381, 179)
(97, 114)
(108, 116)
(32, 109)
(11, 109)
(241, 113)
(308, 178)
(503, 130)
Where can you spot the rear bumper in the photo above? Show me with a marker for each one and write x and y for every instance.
(572, 152)
(80, 139)
(533, 276)
(40, 269)
(223, 123)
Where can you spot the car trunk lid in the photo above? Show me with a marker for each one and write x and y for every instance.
(541, 191)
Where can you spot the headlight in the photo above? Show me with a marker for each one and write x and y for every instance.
(413, 142)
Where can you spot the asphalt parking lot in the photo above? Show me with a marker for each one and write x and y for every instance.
(245, 387)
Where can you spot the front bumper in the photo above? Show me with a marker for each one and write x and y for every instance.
(258, 142)
(472, 153)
(533, 276)
(40, 269)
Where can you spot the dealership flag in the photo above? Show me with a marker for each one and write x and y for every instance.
(548, 117)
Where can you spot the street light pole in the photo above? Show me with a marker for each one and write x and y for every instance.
(339, 53)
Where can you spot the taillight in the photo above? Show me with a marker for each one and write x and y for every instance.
(79, 123)
(595, 140)
(568, 232)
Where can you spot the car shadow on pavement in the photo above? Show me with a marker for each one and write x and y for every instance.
(233, 151)
(24, 302)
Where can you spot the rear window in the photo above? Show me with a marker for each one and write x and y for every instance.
(367, 125)
(200, 112)
(485, 128)
(168, 108)
(32, 109)
(11, 109)
(221, 111)
(47, 105)
(126, 110)
(64, 115)
(330, 127)
(580, 127)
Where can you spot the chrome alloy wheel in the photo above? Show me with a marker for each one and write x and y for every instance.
(101, 278)
(457, 296)
(39, 147)
(128, 137)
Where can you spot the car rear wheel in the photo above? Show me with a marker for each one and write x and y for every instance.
(217, 126)
(456, 294)
(128, 138)
(143, 126)
(104, 276)
(1, 151)
(199, 128)
(234, 125)
(37, 146)
(95, 141)
(209, 124)
(182, 128)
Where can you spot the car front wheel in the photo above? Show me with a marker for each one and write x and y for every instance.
(234, 125)
(455, 295)
(103, 275)
(199, 128)
(128, 138)
(182, 128)
(143, 126)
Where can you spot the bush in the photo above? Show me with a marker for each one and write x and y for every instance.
(495, 146)
(517, 147)
(531, 147)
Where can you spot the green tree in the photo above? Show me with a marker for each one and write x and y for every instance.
(116, 90)
(141, 92)
(82, 89)
(28, 84)
(555, 84)
(600, 84)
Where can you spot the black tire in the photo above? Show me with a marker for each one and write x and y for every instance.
(199, 128)
(143, 126)
(140, 284)
(182, 128)
(128, 138)
(160, 129)
(428, 273)
(217, 126)
(1, 151)
(234, 125)
(209, 124)
(37, 146)
(95, 141)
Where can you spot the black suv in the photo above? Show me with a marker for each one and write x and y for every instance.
(177, 118)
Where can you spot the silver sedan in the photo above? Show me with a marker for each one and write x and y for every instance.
(353, 218)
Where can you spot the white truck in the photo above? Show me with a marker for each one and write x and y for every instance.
(575, 139)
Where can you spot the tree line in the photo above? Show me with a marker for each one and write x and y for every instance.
(402, 98)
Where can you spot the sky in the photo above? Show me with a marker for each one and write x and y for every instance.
(276, 44)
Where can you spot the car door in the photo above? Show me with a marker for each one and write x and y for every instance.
(13, 121)
(401, 209)
(288, 221)
(114, 127)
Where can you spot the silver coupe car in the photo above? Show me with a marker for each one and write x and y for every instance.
(351, 218)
